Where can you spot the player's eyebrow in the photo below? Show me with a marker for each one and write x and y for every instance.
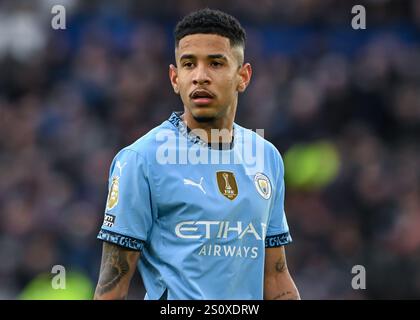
(210, 56)
(187, 56)
(217, 56)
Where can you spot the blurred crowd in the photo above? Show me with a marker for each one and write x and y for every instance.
(70, 99)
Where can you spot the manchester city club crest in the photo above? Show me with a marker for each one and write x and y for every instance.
(263, 185)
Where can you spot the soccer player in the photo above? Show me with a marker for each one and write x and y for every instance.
(185, 206)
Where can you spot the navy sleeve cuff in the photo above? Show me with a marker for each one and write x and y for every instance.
(278, 240)
(121, 240)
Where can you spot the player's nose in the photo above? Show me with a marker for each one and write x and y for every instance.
(201, 75)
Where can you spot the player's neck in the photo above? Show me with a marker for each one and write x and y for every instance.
(217, 131)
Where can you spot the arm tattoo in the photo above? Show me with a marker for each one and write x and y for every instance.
(291, 296)
(281, 265)
(279, 296)
(114, 267)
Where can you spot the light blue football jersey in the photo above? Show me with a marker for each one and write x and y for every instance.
(201, 216)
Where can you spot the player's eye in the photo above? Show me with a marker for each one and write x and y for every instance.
(216, 64)
(188, 64)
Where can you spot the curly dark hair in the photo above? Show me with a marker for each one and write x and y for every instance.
(211, 21)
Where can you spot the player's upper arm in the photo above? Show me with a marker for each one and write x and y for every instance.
(117, 268)
(277, 228)
(127, 223)
(128, 214)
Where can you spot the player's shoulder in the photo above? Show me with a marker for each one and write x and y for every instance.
(258, 137)
(146, 146)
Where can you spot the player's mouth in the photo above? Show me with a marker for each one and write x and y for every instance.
(202, 97)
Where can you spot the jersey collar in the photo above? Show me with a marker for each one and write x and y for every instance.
(176, 120)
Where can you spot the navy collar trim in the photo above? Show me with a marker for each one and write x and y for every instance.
(177, 122)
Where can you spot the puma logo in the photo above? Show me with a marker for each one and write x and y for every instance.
(120, 167)
(195, 184)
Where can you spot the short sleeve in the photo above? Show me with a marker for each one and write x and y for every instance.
(128, 214)
(278, 230)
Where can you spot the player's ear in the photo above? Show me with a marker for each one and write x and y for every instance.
(173, 76)
(244, 73)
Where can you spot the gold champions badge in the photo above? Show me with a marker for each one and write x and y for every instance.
(227, 184)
